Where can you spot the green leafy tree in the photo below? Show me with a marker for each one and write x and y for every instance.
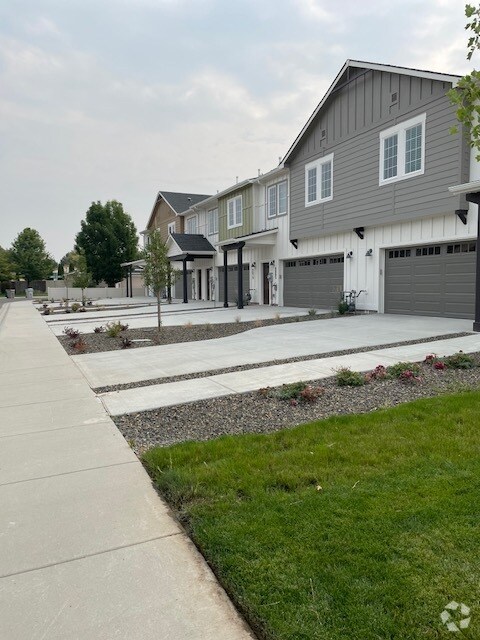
(466, 95)
(107, 238)
(30, 257)
(81, 275)
(158, 273)
(6, 266)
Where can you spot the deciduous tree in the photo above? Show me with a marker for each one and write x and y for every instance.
(158, 273)
(30, 257)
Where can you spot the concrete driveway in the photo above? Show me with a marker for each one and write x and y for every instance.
(261, 345)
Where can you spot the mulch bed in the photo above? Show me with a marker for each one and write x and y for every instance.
(253, 413)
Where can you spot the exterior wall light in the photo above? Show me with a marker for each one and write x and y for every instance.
(350, 254)
(369, 253)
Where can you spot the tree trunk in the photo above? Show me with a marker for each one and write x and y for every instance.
(159, 319)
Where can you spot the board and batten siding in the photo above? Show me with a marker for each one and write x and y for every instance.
(353, 119)
(224, 233)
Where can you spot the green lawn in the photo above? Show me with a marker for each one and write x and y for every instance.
(358, 527)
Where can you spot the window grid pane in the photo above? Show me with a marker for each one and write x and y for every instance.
(326, 185)
(282, 198)
(413, 149)
(272, 201)
(238, 211)
(231, 218)
(390, 153)
(312, 185)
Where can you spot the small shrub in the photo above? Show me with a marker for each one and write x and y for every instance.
(277, 316)
(348, 378)
(75, 307)
(126, 343)
(265, 392)
(188, 324)
(379, 373)
(459, 360)
(80, 346)
(237, 319)
(113, 329)
(312, 312)
(71, 333)
(311, 394)
(293, 393)
(258, 323)
(46, 312)
(430, 358)
(342, 307)
(99, 329)
(409, 376)
(439, 365)
(289, 391)
(208, 326)
(396, 370)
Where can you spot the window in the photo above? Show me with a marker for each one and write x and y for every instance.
(319, 180)
(171, 227)
(402, 150)
(277, 199)
(212, 221)
(191, 225)
(234, 212)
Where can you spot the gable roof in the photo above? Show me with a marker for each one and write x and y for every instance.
(372, 66)
(178, 202)
(192, 243)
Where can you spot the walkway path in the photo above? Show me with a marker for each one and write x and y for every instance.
(88, 550)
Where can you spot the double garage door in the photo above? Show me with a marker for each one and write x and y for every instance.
(232, 274)
(431, 280)
(313, 282)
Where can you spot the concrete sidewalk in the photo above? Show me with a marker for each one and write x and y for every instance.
(261, 345)
(88, 550)
(170, 394)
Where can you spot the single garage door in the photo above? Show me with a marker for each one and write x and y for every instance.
(177, 289)
(313, 282)
(232, 271)
(431, 280)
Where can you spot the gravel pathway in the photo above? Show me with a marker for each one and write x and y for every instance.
(214, 372)
(253, 413)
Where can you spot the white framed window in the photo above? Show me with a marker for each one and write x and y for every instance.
(234, 212)
(277, 196)
(402, 150)
(191, 225)
(319, 180)
(212, 222)
(171, 227)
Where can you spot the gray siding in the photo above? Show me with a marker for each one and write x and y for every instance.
(353, 119)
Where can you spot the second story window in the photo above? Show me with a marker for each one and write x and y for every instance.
(402, 150)
(277, 199)
(171, 228)
(319, 180)
(234, 212)
(191, 225)
(212, 222)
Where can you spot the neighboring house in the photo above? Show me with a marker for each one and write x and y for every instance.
(369, 204)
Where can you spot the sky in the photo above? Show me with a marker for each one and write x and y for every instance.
(120, 99)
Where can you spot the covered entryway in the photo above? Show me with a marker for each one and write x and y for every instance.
(313, 282)
(431, 280)
(232, 271)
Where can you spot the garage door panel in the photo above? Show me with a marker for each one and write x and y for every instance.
(434, 280)
(232, 271)
(313, 282)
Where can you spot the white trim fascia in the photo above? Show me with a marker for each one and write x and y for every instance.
(467, 187)
(430, 75)
(251, 236)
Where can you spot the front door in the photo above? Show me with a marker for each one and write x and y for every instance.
(199, 285)
(209, 277)
(266, 283)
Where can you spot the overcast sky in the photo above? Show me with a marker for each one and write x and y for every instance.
(118, 99)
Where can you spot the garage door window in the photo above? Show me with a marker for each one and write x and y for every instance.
(464, 247)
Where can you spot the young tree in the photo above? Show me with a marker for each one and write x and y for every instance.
(107, 238)
(29, 256)
(466, 95)
(81, 275)
(158, 272)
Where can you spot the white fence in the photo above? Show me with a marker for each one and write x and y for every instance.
(94, 293)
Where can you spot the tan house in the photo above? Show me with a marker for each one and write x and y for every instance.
(166, 213)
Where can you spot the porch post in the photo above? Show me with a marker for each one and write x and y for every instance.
(225, 278)
(131, 282)
(185, 294)
(475, 197)
(127, 282)
(240, 275)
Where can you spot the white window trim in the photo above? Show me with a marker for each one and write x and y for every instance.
(187, 220)
(236, 224)
(277, 213)
(318, 165)
(171, 227)
(212, 213)
(400, 129)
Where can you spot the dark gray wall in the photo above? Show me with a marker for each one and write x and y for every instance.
(353, 118)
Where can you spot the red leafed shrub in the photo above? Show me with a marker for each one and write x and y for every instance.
(311, 393)
(80, 346)
(408, 377)
(439, 364)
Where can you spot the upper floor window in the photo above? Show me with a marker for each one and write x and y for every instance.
(319, 180)
(191, 225)
(212, 221)
(234, 212)
(277, 199)
(402, 150)
(171, 227)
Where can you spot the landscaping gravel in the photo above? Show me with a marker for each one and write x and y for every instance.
(253, 413)
(245, 367)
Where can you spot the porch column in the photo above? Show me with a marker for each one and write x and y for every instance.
(169, 286)
(240, 275)
(185, 294)
(225, 278)
(131, 282)
(127, 281)
(475, 197)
